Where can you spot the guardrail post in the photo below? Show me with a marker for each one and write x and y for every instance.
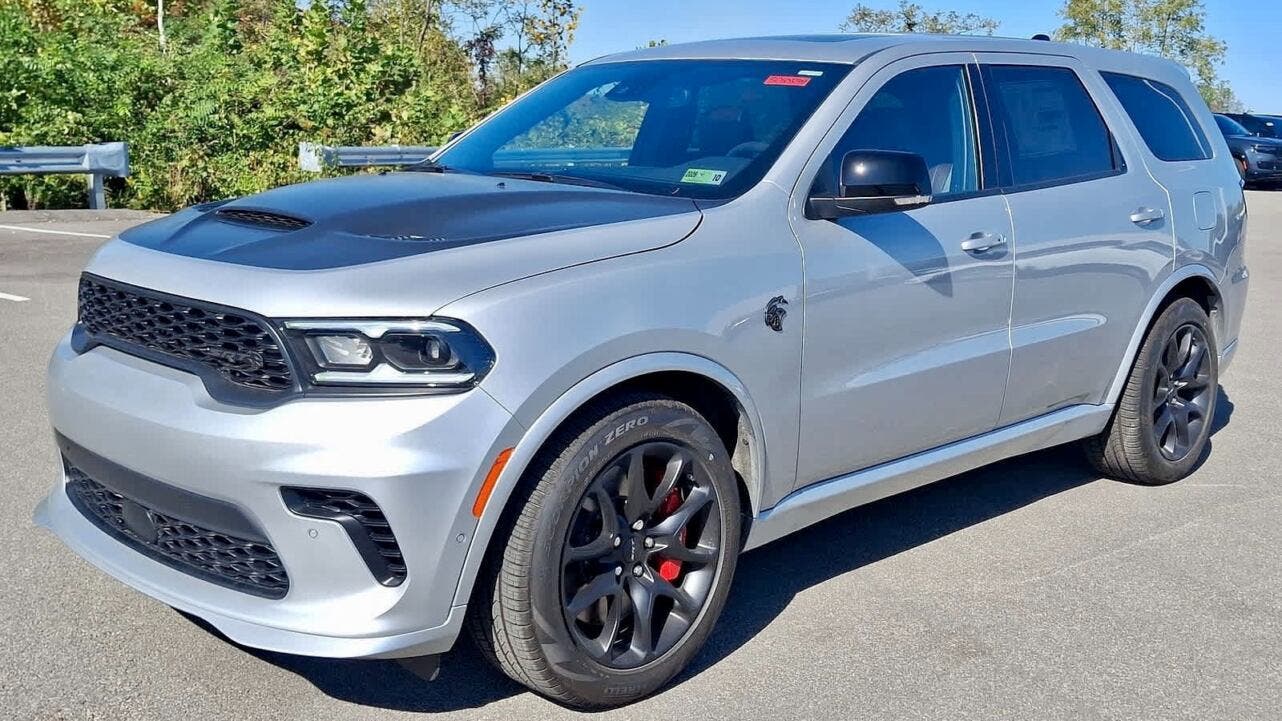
(97, 193)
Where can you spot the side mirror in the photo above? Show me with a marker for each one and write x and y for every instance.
(876, 181)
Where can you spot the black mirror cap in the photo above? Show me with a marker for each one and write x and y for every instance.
(876, 181)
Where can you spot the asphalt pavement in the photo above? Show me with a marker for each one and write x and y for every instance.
(1031, 589)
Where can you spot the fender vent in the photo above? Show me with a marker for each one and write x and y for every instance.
(261, 219)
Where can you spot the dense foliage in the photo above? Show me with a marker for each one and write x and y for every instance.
(910, 17)
(214, 96)
(1174, 29)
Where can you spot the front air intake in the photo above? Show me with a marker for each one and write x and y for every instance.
(364, 522)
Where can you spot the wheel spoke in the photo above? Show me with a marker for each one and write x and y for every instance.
(1185, 340)
(604, 541)
(680, 599)
(677, 467)
(1165, 420)
(634, 483)
(1182, 441)
(1193, 365)
(596, 589)
(604, 641)
(672, 547)
(642, 618)
(693, 503)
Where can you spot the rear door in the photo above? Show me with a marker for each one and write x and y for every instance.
(1091, 231)
(1180, 156)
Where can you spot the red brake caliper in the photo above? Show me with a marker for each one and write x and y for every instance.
(668, 568)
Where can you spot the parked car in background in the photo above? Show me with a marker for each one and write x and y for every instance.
(1264, 126)
(1259, 160)
(546, 388)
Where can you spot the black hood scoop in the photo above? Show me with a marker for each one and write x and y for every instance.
(262, 219)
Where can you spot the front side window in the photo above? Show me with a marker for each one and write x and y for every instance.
(1054, 132)
(926, 111)
(688, 128)
(1164, 120)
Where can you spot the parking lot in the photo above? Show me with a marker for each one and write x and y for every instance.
(1031, 589)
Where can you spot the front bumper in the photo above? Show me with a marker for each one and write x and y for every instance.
(421, 459)
(1263, 166)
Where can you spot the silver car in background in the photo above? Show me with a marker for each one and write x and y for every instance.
(671, 305)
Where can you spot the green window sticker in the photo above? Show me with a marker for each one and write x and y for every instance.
(704, 177)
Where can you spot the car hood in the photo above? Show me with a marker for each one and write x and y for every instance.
(394, 244)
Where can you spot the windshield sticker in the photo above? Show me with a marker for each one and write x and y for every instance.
(811, 73)
(699, 176)
(792, 81)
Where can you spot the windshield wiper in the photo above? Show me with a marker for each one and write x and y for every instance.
(557, 178)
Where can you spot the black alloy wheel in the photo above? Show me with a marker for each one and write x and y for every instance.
(641, 555)
(1182, 392)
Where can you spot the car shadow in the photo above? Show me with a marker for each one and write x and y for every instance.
(765, 583)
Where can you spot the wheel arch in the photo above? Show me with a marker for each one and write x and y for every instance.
(1194, 281)
(707, 386)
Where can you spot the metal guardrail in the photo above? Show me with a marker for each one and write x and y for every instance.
(97, 161)
(314, 158)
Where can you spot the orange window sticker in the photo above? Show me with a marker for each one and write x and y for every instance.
(792, 81)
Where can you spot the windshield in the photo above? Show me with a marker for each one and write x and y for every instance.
(1229, 126)
(690, 128)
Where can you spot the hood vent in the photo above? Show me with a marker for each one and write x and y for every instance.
(261, 219)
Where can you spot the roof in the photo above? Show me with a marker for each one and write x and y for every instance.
(853, 48)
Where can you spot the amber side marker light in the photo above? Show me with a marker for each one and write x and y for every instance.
(483, 495)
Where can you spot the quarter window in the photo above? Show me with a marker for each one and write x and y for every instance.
(925, 111)
(1163, 118)
(1053, 130)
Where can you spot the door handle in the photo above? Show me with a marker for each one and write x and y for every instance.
(980, 242)
(1144, 216)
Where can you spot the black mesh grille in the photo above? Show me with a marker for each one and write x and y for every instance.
(244, 565)
(237, 347)
(262, 219)
(364, 522)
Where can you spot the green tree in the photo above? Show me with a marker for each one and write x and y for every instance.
(217, 108)
(910, 17)
(1174, 29)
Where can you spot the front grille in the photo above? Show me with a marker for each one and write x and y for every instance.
(239, 348)
(364, 522)
(262, 219)
(241, 564)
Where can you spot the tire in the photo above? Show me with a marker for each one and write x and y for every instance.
(1160, 427)
(534, 613)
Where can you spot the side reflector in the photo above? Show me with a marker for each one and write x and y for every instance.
(483, 495)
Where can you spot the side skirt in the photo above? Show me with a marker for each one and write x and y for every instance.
(822, 500)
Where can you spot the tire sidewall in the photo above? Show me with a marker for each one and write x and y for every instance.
(570, 477)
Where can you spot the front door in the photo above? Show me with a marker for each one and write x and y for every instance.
(905, 344)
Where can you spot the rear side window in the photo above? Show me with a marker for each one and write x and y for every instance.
(1052, 128)
(1163, 118)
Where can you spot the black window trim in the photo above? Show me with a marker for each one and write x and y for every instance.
(1006, 185)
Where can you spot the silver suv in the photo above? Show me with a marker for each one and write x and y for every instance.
(671, 305)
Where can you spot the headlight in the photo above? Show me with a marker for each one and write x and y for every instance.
(390, 355)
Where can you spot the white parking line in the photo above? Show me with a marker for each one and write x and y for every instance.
(53, 232)
(14, 298)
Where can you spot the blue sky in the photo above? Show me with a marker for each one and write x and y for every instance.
(613, 25)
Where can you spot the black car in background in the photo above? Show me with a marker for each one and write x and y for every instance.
(1259, 160)
(1264, 126)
